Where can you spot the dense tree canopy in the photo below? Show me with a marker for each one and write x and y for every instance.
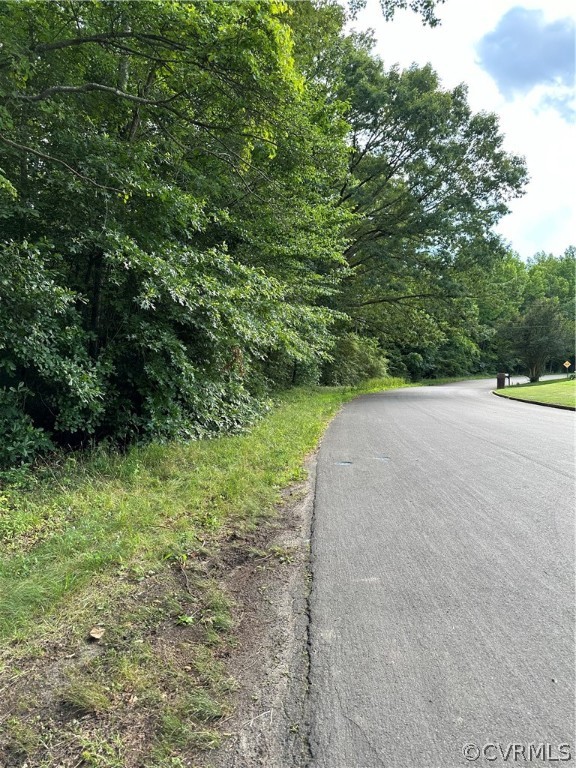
(427, 180)
(540, 328)
(539, 334)
(167, 211)
(201, 201)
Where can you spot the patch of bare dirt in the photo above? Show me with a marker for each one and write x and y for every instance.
(263, 571)
(270, 663)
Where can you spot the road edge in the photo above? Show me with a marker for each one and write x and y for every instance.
(269, 722)
(534, 402)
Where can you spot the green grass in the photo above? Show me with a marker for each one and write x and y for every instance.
(111, 511)
(129, 542)
(548, 392)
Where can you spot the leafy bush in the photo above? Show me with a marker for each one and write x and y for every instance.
(354, 359)
(166, 206)
(20, 440)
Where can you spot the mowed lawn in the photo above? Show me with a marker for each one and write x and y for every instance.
(549, 392)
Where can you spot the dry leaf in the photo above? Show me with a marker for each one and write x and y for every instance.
(96, 633)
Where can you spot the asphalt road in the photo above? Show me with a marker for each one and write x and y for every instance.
(442, 607)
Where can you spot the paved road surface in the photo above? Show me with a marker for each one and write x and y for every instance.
(442, 610)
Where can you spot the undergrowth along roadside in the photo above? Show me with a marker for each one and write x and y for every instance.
(110, 511)
(135, 546)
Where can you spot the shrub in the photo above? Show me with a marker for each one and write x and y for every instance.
(354, 359)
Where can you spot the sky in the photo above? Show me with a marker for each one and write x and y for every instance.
(517, 58)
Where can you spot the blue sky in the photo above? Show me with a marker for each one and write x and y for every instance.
(517, 58)
(525, 51)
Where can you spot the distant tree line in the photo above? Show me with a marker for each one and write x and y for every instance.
(202, 202)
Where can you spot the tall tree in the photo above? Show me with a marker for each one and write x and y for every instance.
(551, 277)
(166, 198)
(427, 181)
(540, 333)
(538, 328)
(426, 8)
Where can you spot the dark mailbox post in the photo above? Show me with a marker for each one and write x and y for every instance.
(500, 380)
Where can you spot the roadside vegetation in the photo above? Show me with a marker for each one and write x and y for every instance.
(549, 392)
(203, 205)
(131, 545)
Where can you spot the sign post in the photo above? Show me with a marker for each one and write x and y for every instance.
(567, 365)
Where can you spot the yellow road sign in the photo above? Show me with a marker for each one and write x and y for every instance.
(567, 364)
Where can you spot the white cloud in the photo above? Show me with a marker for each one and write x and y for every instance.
(545, 218)
(524, 51)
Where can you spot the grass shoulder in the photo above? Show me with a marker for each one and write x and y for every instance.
(557, 393)
(127, 545)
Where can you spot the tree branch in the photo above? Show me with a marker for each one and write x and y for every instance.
(106, 38)
(65, 89)
(161, 104)
(52, 159)
(394, 299)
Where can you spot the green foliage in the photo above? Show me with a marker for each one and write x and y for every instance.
(200, 200)
(21, 440)
(522, 304)
(389, 7)
(538, 334)
(551, 277)
(427, 179)
(354, 359)
(48, 382)
(168, 217)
